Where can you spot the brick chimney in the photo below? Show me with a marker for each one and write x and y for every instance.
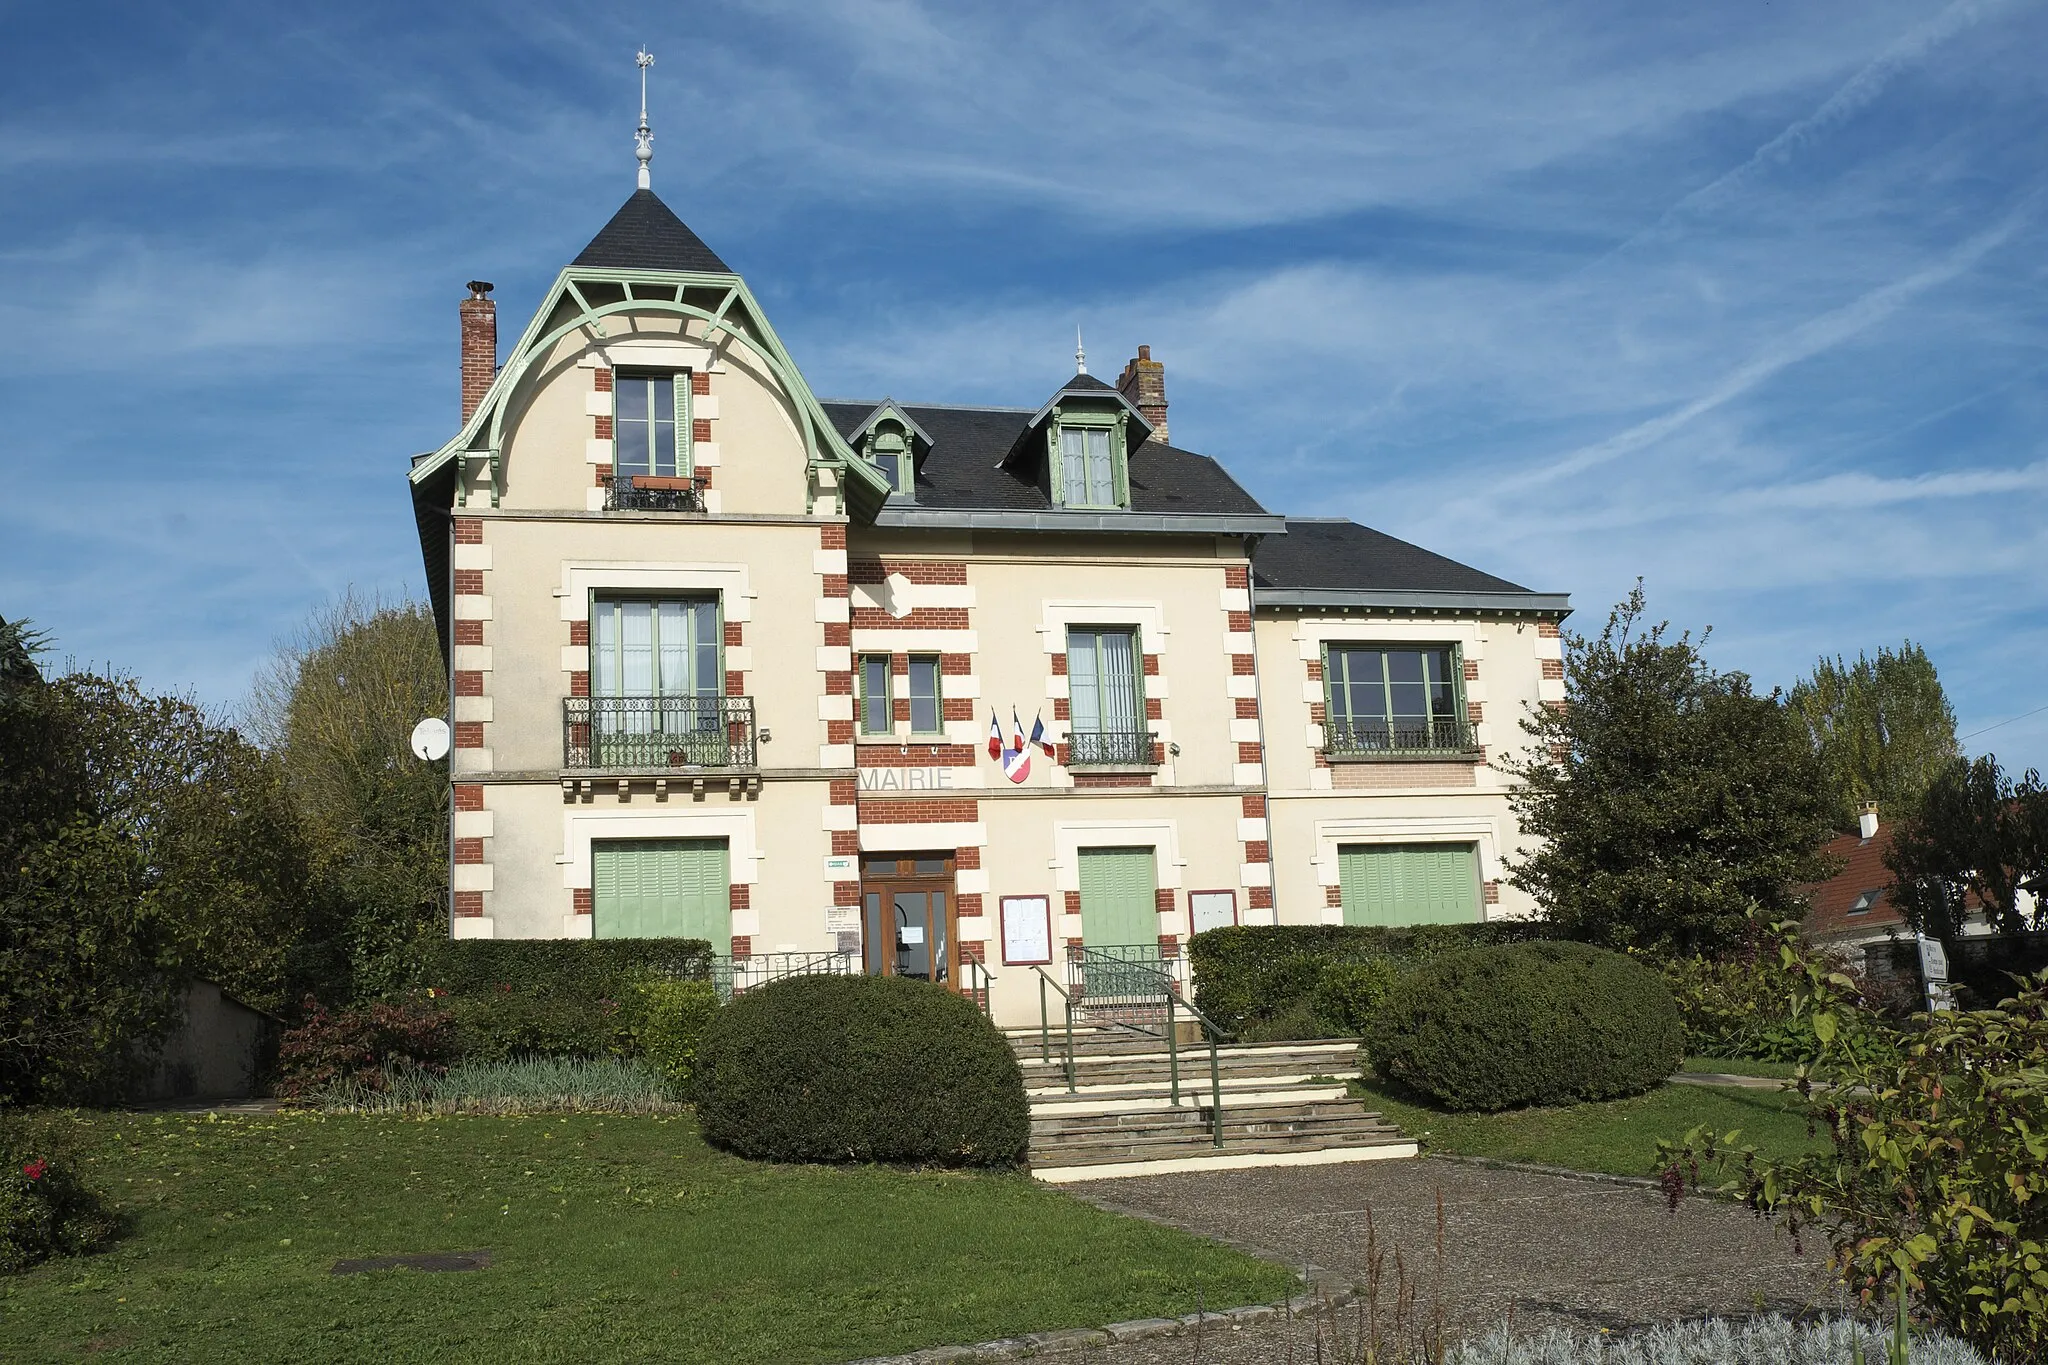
(1144, 383)
(479, 345)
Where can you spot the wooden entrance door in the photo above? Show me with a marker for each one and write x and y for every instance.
(908, 916)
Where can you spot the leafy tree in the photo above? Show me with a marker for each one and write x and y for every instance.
(1883, 728)
(1978, 841)
(337, 706)
(1671, 804)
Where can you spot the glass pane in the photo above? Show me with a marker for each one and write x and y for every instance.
(1083, 703)
(928, 867)
(1119, 683)
(604, 650)
(636, 649)
(884, 866)
(924, 694)
(704, 643)
(913, 923)
(1074, 478)
(1406, 693)
(674, 678)
(1101, 492)
(661, 399)
(1443, 690)
(629, 426)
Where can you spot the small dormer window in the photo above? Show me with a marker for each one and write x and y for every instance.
(651, 425)
(890, 453)
(1089, 475)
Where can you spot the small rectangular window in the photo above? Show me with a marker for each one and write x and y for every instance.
(924, 695)
(649, 436)
(875, 695)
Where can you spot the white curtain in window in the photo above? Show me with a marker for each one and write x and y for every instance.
(1085, 479)
(1102, 682)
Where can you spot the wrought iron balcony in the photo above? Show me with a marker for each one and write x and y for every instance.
(612, 734)
(651, 493)
(1089, 749)
(1445, 736)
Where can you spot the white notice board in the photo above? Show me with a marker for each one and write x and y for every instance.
(1027, 930)
(1212, 909)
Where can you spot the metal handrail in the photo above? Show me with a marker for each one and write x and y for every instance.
(976, 977)
(1045, 1027)
(1211, 1032)
(1446, 735)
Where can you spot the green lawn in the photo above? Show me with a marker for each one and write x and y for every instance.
(1738, 1066)
(1617, 1137)
(611, 1237)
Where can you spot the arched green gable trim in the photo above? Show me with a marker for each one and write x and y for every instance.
(862, 486)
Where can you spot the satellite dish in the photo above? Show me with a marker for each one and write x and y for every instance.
(430, 739)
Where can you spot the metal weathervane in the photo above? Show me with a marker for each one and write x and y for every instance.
(643, 139)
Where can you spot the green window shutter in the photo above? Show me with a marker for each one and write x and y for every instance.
(1120, 461)
(1056, 462)
(1409, 883)
(1118, 907)
(662, 888)
(686, 457)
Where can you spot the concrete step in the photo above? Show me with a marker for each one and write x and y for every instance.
(1170, 1118)
(1060, 1169)
(1194, 1066)
(1054, 1087)
(1128, 1140)
(1149, 1048)
(1048, 1108)
(1151, 1147)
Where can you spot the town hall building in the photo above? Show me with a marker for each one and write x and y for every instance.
(920, 688)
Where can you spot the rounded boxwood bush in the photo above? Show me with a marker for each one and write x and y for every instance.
(1528, 1023)
(860, 1068)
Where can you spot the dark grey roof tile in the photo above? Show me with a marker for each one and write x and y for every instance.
(645, 234)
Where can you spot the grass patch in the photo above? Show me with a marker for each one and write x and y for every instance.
(612, 1237)
(1738, 1066)
(1614, 1137)
(525, 1085)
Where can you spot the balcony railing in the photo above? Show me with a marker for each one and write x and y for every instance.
(1086, 749)
(614, 733)
(1445, 736)
(650, 493)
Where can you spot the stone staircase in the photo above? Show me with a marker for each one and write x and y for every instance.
(1119, 1120)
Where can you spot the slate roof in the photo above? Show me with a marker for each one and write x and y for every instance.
(1333, 554)
(961, 471)
(645, 234)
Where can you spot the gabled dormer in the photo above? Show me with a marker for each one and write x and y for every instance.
(891, 440)
(1077, 446)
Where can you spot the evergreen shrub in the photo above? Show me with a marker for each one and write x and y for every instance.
(860, 1068)
(337, 1048)
(669, 1029)
(1528, 1023)
(556, 997)
(1254, 979)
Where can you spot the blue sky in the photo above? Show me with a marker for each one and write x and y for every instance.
(1744, 299)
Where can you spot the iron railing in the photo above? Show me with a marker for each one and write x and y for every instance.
(1085, 748)
(665, 495)
(978, 984)
(1124, 987)
(732, 976)
(612, 733)
(1443, 736)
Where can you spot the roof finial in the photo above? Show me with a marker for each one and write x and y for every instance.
(1080, 352)
(643, 140)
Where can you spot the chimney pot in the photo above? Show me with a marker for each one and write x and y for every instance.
(1143, 382)
(1866, 823)
(479, 315)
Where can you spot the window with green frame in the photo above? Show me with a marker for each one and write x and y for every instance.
(889, 451)
(657, 686)
(1394, 699)
(1106, 697)
(926, 710)
(1090, 464)
(875, 701)
(651, 424)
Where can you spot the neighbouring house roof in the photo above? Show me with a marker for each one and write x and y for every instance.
(1857, 899)
(645, 234)
(1325, 561)
(963, 469)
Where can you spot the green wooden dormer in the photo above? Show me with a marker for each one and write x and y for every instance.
(1077, 447)
(890, 440)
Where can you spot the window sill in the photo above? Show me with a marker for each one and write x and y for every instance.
(1112, 767)
(1471, 756)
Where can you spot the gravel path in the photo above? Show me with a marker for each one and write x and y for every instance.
(1521, 1247)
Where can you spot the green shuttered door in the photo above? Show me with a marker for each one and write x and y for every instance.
(662, 888)
(1409, 883)
(1117, 906)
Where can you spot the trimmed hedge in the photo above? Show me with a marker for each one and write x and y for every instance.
(555, 997)
(1528, 1023)
(860, 1068)
(673, 1016)
(1248, 976)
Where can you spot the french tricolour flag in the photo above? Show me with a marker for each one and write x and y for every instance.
(995, 736)
(1017, 762)
(1038, 735)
